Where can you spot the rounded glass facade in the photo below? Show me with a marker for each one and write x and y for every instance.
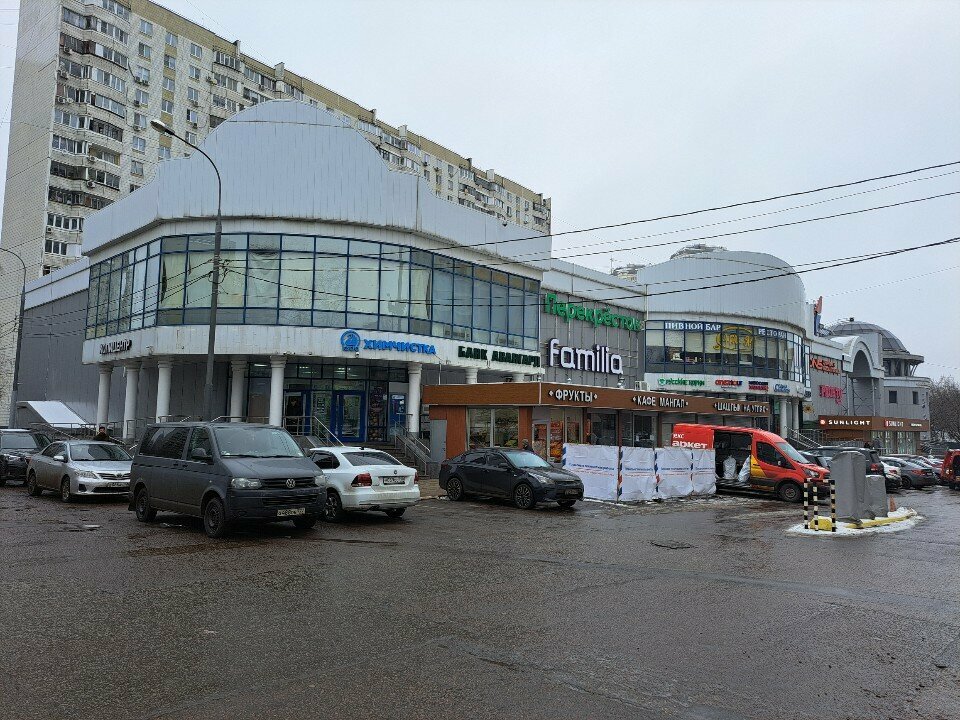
(315, 281)
(724, 349)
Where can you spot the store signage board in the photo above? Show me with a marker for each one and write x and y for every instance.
(826, 365)
(727, 384)
(850, 422)
(595, 316)
(596, 359)
(116, 346)
(468, 352)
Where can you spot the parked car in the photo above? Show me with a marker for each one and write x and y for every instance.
(946, 470)
(16, 449)
(775, 466)
(225, 473)
(921, 461)
(813, 458)
(891, 470)
(518, 475)
(361, 479)
(874, 464)
(912, 474)
(80, 467)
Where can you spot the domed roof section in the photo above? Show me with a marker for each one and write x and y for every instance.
(711, 283)
(847, 328)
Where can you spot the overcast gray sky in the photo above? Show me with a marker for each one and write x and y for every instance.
(627, 110)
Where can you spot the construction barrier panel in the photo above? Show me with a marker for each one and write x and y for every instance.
(704, 472)
(596, 466)
(674, 472)
(639, 474)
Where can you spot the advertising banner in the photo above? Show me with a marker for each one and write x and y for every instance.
(704, 472)
(639, 474)
(674, 472)
(596, 466)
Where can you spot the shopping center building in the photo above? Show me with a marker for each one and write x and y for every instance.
(354, 300)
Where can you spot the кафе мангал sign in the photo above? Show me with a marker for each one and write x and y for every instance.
(597, 316)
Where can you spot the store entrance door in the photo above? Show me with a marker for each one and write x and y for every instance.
(349, 415)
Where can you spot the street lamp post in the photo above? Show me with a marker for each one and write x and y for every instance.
(15, 392)
(215, 277)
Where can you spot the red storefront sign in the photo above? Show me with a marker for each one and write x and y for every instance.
(832, 391)
(823, 364)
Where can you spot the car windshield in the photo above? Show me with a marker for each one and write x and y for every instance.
(524, 459)
(791, 452)
(93, 452)
(256, 442)
(22, 441)
(370, 457)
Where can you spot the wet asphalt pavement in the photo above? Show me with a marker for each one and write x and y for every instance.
(703, 610)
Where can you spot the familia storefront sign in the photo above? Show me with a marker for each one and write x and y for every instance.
(597, 316)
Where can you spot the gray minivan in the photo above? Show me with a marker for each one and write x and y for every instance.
(225, 473)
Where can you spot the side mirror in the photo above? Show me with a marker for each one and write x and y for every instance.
(200, 455)
(60, 458)
(504, 466)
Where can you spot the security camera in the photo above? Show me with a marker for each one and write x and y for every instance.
(504, 223)
(357, 354)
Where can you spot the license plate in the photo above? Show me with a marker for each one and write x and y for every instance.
(573, 492)
(118, 485)
(289, 512)
(393, 480)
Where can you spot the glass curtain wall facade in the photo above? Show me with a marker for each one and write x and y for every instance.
(317, 281)
(724, 349)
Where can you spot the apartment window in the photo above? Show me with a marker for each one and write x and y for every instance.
(139, 121)
(143, 74)
(214, 121)
(71, 67)
(134, 187)
(163, 153)
(78, 122)
(253, 97)
(169, 84)
(223, 102)
(74, 147)
(191, 137)
(54, 247)
(224, 81)
(75, 19)
(194, 72)
(108, 29)
(139, 144)
(169, 61)
(892, 397)
(105, 178)
(192, 116)
(106, 155)
(141, 97)
(143, 50)
(229, 61)
(916, 397)
(193, 95)
(196, 51)
(146, 27)
(166, 106)
(450, 185)
(46, 270)
(121, 11)
(70, 172)
(105, 103)
(64, 222)
(110, 54)
(109, 79)
(136, 167)
(172, 39)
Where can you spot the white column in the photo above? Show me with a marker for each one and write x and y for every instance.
(164, 372)
(785, 413)
(519, 377)
(130, 399)
(277, 366)
(238, 369)
(103, 395)
(471, 375)
(414, 377)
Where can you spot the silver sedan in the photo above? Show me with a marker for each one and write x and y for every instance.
(80, 467)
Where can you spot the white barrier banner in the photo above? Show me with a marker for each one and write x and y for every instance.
(674, 472)
(704, 472)
(639, 474)
(596, 466)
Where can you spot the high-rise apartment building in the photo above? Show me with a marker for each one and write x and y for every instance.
(89, 77)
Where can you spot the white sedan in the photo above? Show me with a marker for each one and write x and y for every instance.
(365, 479)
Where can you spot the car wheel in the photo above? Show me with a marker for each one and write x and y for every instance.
(215, 523)
(141, 505)
(790, 492)
(566, 503)
(32, 488)
(523, 496)
(333, 507)
(395, 512)
(906, 483)
(304, 523)
(455, 488)
(65, 493)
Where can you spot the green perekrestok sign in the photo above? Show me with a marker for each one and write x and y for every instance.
(596, 315)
